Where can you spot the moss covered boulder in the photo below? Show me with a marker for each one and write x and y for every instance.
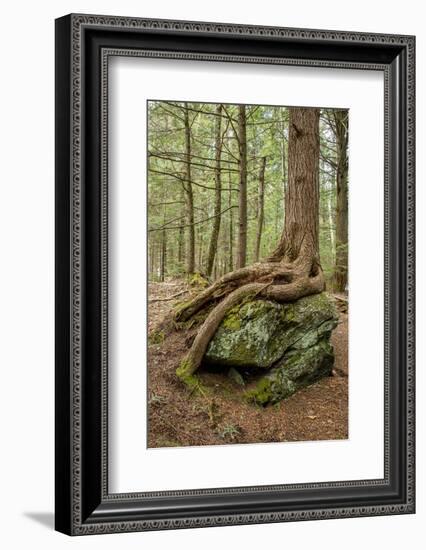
(297, 368)
(258, 333)
(290, 341)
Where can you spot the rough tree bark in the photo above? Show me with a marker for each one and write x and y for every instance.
(231, 226)
(189, 195)
(341, 267)
(283, 160)
(218, 193)
(330, 222)
(181, 234)
(242, 204)
(260, 208)
(302, 193)
(163, 253)
(163, 258)
(293, 270)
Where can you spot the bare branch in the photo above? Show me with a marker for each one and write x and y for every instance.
(166, 226)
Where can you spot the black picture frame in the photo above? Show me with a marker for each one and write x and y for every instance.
(83, 45)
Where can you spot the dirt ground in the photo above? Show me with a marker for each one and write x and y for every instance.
(178, 418)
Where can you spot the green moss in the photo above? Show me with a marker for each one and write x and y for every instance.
(297, 369)
(261, 394)
(232, 320)
(197, 280)
(191, 381)
(289, 314)
(193, 320)
(184, 369)
(180, 306)
(156, 337)
(257, 333)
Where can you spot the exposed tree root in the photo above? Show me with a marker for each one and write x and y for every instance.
(172, 297)
(273, 281)
(259, 272)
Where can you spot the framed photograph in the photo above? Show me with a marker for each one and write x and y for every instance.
(234, 274)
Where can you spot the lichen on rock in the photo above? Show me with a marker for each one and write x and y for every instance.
(290, 341)
(298, 368)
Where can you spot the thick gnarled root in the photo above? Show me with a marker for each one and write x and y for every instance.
(301, 285)
(259, 272)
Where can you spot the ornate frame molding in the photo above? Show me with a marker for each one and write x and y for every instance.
(72, 47)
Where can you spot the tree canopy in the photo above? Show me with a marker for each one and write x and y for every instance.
(217, 181)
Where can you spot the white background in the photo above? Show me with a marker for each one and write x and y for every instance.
(26, 305)
(132, 81)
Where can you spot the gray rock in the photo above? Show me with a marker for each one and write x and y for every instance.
(235, 376)
(298, 368)
(290, 341)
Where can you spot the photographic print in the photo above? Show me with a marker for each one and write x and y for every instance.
(247, 273)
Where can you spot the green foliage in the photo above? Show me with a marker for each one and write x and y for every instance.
(229, 431)
(261, 394)
(267, 136)
(198, 281)
(156, 399)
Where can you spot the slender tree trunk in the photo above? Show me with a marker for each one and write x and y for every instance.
(181, 233)
(330, 222)
(242, 205)
(260, 208)
(151, 258)
(224, 252)
(163, 258)
(341, 268)
(158, 269)
(163, 242)
(200, 246)
(231, 226)
(218, 193)
(189, 196)
(225, 246)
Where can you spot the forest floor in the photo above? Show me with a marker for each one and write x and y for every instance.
(177, 417)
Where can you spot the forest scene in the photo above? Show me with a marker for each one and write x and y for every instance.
(247, 259)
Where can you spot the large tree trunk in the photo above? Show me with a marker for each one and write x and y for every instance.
(283, 162)
(300, 234)
(218, 193)
(260, 208)
(341, 268)
(242, 205)
(189, 196)
(293, 271)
